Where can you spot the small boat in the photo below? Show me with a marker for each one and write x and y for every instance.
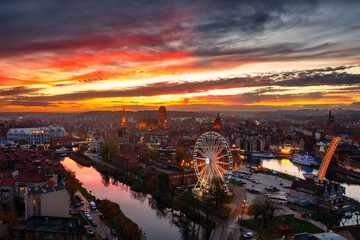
(305, 159)
(262, 155)
(62, 150)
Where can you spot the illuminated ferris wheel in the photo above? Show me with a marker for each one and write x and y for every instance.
(213, 162)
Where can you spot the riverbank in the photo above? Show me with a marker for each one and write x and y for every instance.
(162, 197)
(116, 219)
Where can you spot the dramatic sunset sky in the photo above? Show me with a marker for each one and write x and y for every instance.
(187, 55)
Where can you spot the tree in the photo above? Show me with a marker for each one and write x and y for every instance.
(143, 155)
(152, 184)
(108, 208)
(72, 184)
(184, 202)
(218, 192)
(178, 154)
(265, 212)
(179, 204)
(153, 154)
(108, 149)
(131, 231)
(163, 182)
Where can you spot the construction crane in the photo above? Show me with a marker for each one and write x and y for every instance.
(326, 161)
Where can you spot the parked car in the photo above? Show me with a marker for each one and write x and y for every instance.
(113, 232)
(335, 208)
(89, 231)
(348, 214)
(87, 227)
(248, 235)
(87, 215)
(94, 223)
(101, 216)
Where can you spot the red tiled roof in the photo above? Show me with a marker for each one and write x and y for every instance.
(49, 184)
(12, 154)
(7, 182)
(30, 176)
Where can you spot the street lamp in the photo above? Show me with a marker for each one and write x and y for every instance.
(241, 214)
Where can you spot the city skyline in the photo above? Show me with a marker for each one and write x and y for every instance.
(195, 56)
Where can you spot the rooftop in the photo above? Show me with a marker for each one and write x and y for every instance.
(328, 236)
(43, 190)
(52, 224)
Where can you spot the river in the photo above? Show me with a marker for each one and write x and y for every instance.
(284, 165)
(138, 207)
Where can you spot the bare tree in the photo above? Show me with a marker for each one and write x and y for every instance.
(265, 212)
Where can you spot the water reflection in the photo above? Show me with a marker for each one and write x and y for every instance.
(286, 166)
(157, 223)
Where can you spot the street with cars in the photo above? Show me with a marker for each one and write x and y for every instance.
(96, 222)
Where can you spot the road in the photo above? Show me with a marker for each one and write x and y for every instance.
(230, 228)
(97, 158)
(103, 230)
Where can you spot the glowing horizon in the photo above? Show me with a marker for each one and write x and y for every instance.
(186, 56)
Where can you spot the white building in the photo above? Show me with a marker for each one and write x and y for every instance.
(35, 136)
(95, 143)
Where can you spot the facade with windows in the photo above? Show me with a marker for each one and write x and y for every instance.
(318, 192)
(95, 143)
(7, 190)
(251, 144)
(43, 201)
(35, 136)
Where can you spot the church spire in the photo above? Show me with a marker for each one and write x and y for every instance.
(123, 119)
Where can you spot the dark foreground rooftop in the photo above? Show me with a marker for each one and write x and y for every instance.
(52, 224)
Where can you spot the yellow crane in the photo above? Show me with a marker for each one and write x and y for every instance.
(326, 161)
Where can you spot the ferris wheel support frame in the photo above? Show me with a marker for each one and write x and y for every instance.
(211, 160)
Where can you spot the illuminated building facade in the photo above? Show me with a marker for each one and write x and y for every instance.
(218, 123)
(150, 123)
(123, 119)
(35, 136)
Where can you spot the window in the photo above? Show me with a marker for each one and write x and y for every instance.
(34, 201)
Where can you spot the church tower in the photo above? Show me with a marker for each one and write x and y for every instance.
(218, 122)
(123, 119)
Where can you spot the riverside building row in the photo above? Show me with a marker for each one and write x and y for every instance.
(35, 136)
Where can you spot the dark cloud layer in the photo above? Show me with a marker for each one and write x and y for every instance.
(15, 91)
(226, 29)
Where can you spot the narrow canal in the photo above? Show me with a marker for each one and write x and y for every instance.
(138, 207)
